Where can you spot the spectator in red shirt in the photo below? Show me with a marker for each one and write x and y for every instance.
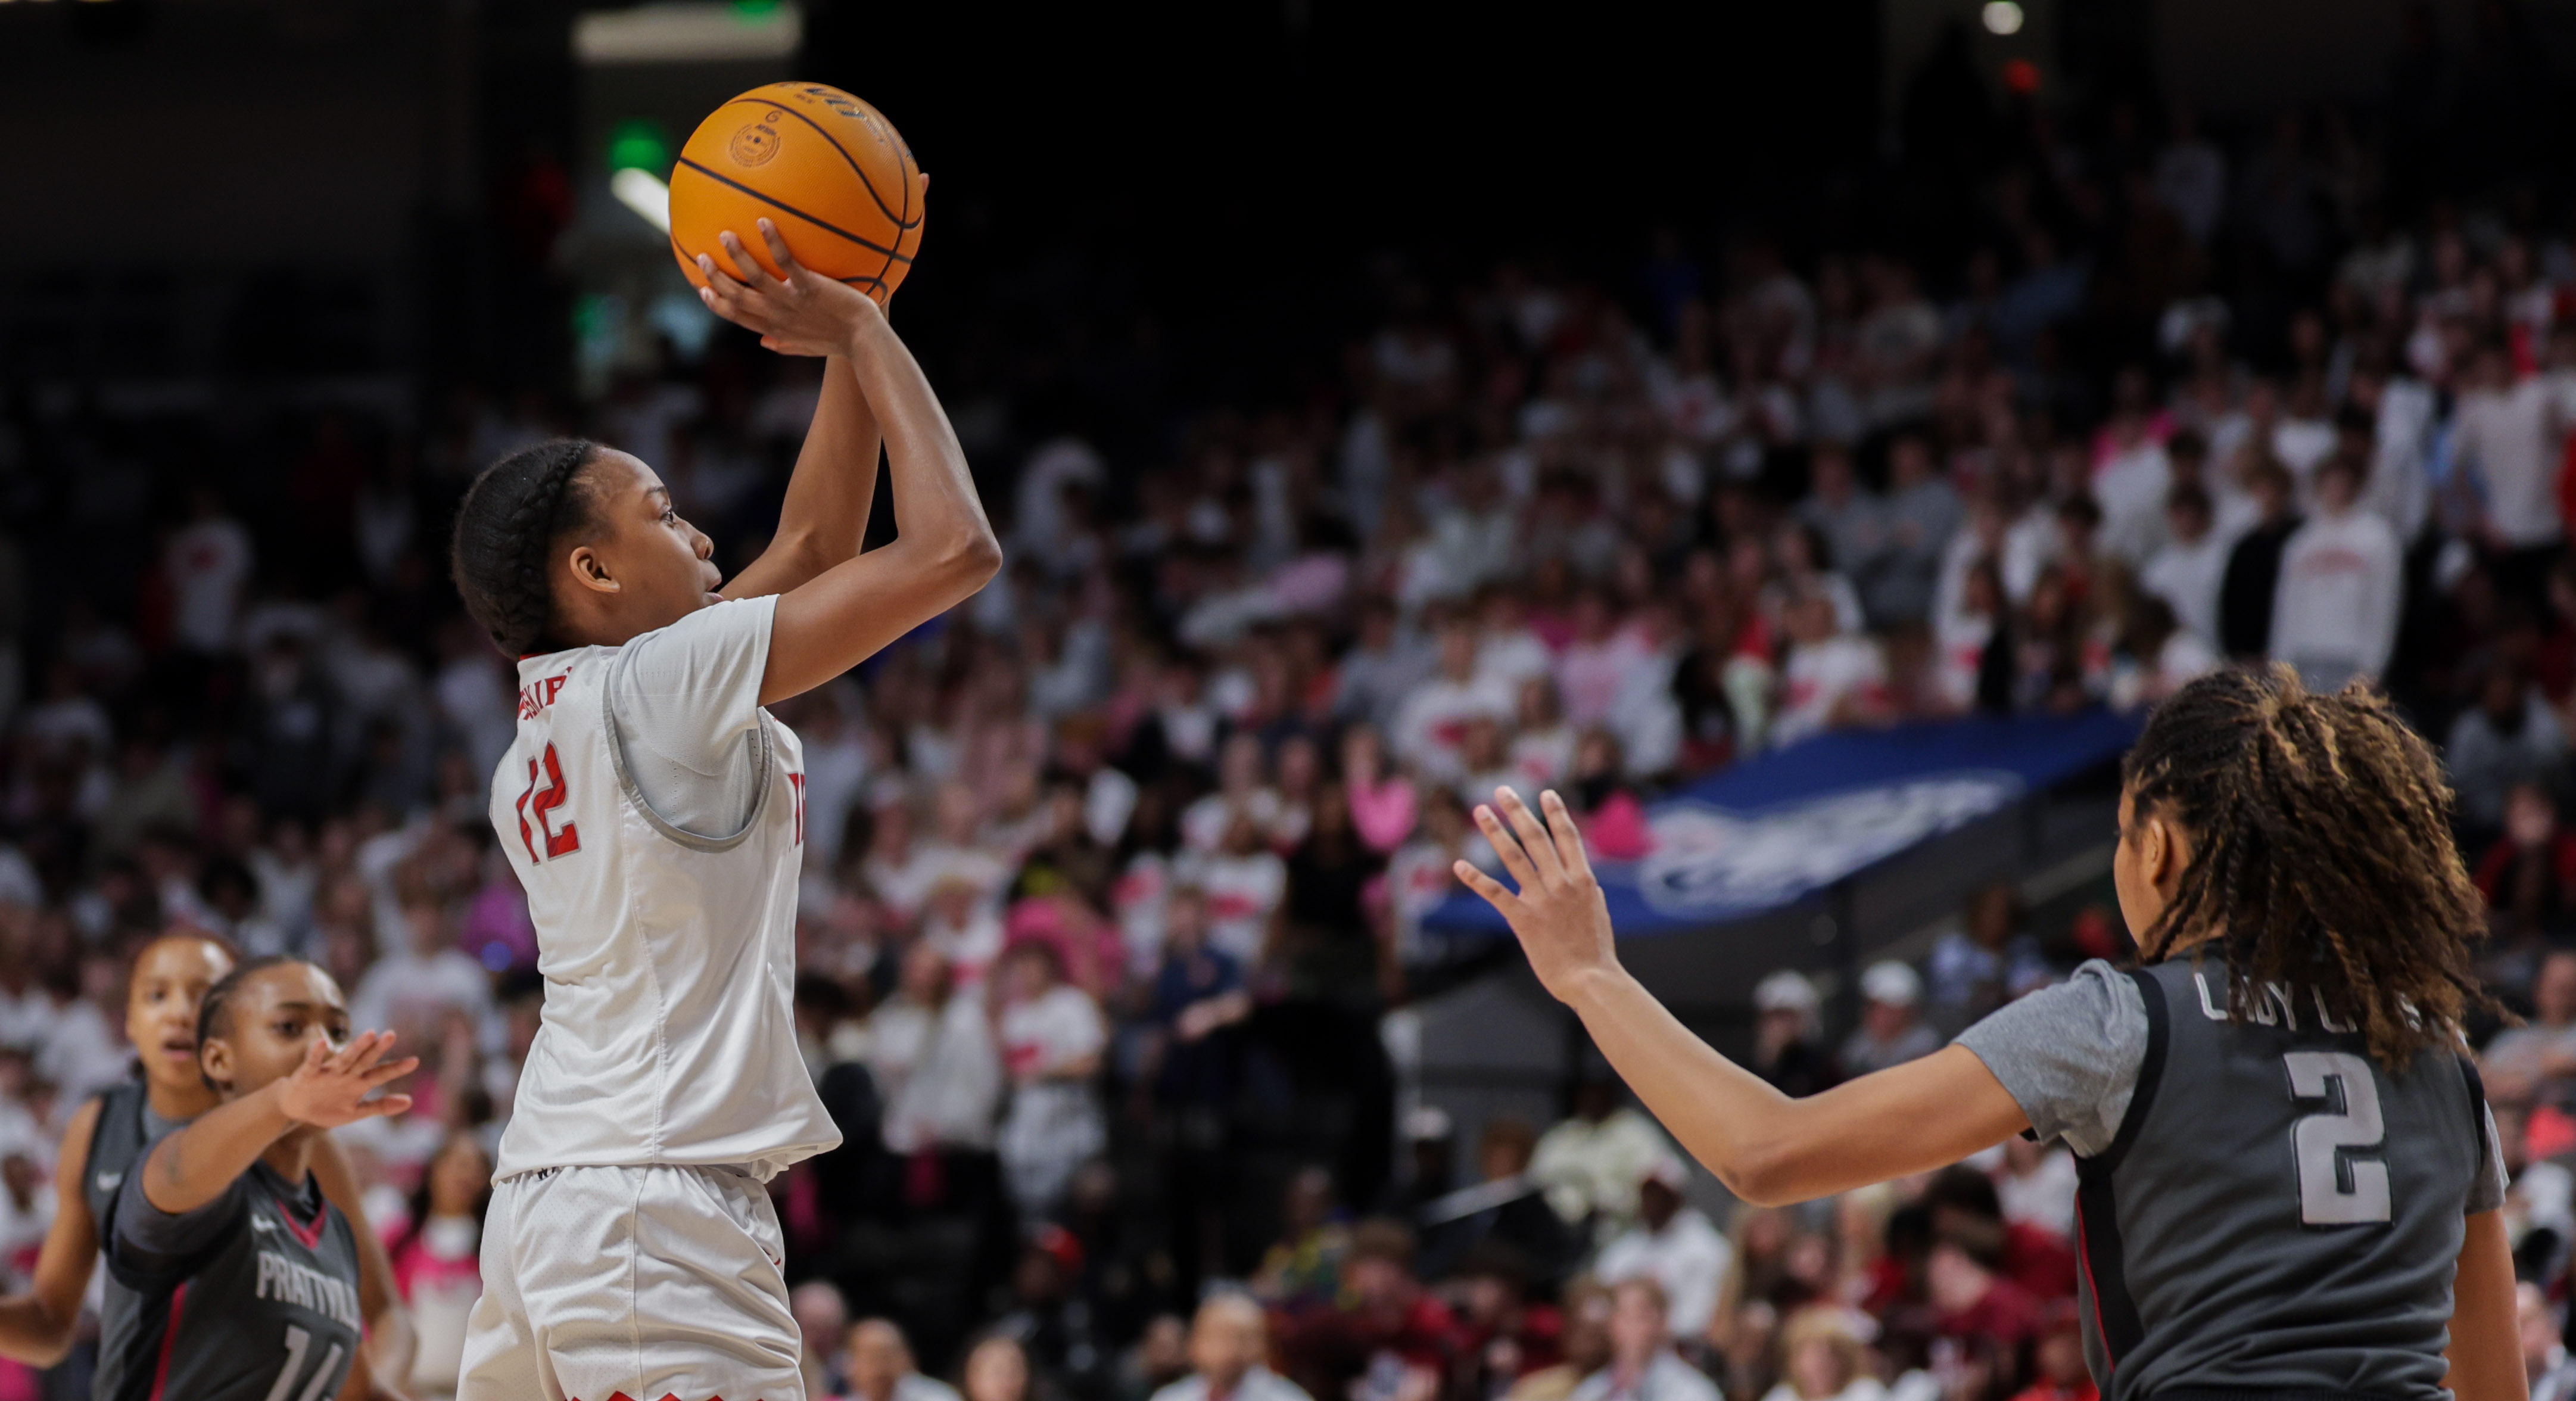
(1965, 1207)
(1384, 1335)
(1507, 1335)
(2058, 1360)
(1972, 1298)
(2529, 875)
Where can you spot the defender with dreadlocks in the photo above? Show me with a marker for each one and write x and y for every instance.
(2289, 1179)
(654, 811)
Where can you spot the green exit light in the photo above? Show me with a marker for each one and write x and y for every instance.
(755, 9)
(639, 144)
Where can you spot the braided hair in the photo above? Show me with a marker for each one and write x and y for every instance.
(2321, 853)
(214, 1010)
(505, 536)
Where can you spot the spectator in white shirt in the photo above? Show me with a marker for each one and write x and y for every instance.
(2335, 613)
(2507, 435)
(1674, 1244)
(2402, 411)
(2189, 570)
(1643, 1365)
(1591, 1163)
(208, 561)
(1433, 720)
(936, 1067)
(1507, 651)
(1229, 1347)
(1052, 1037)
(413, 990)
(1834, 680)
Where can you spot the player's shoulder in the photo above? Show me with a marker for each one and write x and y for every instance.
(726, 617)
(82, 1132)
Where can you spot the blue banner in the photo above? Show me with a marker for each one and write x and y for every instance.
(1783, 825)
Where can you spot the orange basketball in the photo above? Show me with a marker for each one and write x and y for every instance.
(830, 171)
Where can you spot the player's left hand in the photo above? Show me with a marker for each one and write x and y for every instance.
(802, 313)
(1558, 913)
(331, 1087)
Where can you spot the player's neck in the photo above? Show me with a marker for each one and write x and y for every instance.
(179, 1103)
(292, 1155)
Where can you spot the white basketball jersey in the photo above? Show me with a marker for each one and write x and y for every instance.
(669, 1032)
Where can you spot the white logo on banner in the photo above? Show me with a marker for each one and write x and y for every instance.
(1708, 861)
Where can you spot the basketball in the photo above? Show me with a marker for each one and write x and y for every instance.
(828, 169)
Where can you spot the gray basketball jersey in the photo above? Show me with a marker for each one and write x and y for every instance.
(116, 1144)
(126, 1130)
(265, 1310)
(2278, 1212)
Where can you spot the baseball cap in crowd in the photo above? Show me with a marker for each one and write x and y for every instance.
(1784, 991)
(1893, 983)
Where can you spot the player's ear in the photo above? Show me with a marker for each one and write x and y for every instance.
(215, 1061)
(589, 571)
(2164, 854)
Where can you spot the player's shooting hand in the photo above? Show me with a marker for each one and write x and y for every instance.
(802, 313)
(331, 1087)
(1558, 913)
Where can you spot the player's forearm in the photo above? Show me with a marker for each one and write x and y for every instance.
(1715, 1107)
(2485, 1354)
(825, 514)
(1770, 1149)
(193, 1166)
(937, 512)
(34, 1331)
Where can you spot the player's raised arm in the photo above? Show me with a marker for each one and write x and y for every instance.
(825, 515)
(194, 1165)
(945, 550)
(1766, 1147)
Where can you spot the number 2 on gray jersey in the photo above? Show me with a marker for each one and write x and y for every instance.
(2335, 1189)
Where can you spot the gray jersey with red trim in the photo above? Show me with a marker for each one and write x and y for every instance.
(261, 1304)
(2278, 1211)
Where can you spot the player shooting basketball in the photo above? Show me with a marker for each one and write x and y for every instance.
(2290, 1183)
(654, 811)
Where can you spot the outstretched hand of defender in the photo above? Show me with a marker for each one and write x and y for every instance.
(802, 313)
(1558, 913)
(331, 1087)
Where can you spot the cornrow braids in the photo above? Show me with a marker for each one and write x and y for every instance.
(2321, 853)
(505, 533)
(215, 1008)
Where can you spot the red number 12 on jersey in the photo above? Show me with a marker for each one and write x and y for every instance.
(539, 802)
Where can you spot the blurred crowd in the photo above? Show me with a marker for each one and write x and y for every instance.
(1113, 874)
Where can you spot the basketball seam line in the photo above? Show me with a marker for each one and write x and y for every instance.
(868, 243)
(845, 155)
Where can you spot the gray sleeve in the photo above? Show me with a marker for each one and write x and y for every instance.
(685, 700)
(2487, 1186)
(155, 1240)
(2069, 1055)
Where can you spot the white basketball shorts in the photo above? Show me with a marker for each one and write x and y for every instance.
(632, 1284)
